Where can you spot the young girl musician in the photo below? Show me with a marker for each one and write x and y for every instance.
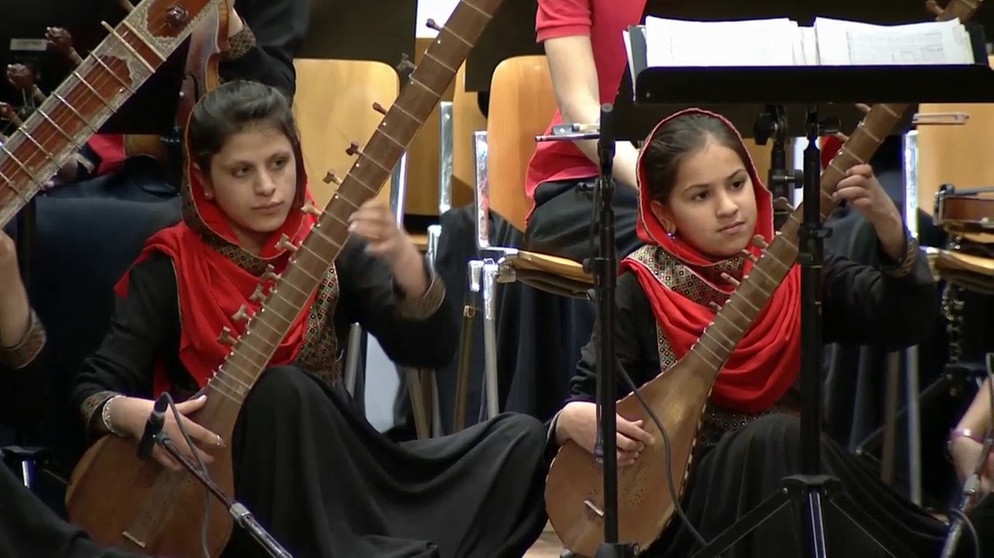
(700, 205)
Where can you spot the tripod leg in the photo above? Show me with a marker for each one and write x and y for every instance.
(869, 525)
(815, 525)
(744, 526)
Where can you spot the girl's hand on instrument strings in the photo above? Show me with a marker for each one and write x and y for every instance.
(134, 412)
(862, 190)
(375, 223)
(578, 422)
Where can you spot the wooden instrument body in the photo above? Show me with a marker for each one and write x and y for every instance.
(165, 507)
(109, 483)
(679, 395)
(965, 212)
(575, 487)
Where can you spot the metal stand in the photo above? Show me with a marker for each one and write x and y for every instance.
(241, 514)
(810, 488)
(781, 181)
(604, 267)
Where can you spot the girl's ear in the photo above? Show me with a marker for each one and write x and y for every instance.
(204, 181)
(663, 215)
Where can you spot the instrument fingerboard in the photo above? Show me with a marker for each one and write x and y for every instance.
(91, 94)
(374, 163)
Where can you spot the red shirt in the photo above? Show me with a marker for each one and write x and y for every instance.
(603, 21)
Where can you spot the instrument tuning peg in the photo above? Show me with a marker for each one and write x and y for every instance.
(270, 273)
(332, 177)
(748, 254)
(759, 242)
(242, 314)
(258, 295)
(353, 149)
(177, 17)
(406, 66)
(60, 40)
(226, 337)
(310, 209)
(730, 279)
(126, 6)
(714, 306)
(433, 25)
(285, 244)
(933, 7)
(379, 108)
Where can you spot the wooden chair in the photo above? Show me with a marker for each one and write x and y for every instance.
(522, 103)
(333, 107)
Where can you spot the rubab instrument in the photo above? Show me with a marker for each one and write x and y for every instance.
(137, 505)
(574, 487)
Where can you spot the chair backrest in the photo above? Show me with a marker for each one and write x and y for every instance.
(522, 103)
(333, 107)
(466, 119)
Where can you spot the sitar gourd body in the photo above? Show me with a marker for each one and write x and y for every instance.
(678, 396)
(135, 505)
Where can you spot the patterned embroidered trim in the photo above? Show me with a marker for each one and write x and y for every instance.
(239, 44)
(426, 305)
(92, 404)
(25, 351)
(907, 264)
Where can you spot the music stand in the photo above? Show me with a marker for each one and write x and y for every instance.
(810, 86)
(341, 31)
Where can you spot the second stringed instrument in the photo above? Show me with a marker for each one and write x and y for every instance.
(94, 90)
(574, 488)
(140, 506)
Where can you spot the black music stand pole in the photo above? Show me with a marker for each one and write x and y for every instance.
(604, 266)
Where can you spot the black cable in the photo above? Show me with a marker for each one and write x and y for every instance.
(969, 527)
(667, 451)
(203, 469)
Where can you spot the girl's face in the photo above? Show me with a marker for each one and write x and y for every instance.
(711, 206)
(253, 179)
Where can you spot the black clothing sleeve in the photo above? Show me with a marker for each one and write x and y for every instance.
(369, 296)
(861, 305)
(279, 27)
(143, 327)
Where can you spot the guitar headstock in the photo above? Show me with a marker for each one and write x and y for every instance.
(962, 9)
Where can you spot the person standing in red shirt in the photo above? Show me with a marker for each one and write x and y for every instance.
(587, 58)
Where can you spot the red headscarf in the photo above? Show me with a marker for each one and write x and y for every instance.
(211, 283)
(765, 363)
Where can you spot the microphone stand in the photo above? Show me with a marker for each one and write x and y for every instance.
(603, 264)
(242, 516)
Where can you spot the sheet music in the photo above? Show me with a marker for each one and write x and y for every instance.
(671, 42)
(782, 42)
(853, 43)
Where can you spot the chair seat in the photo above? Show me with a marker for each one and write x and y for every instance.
(972, 272)
(547, 273)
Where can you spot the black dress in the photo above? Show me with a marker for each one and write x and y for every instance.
(313, 471)
(736, 470)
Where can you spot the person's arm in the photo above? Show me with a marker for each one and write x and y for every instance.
(407, 312)
(564, 29)
(144, 323)
(893, 307)
(637, 353)
(263, 39)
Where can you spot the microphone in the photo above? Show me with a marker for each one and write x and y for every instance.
(156, 419)
(970, 489)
